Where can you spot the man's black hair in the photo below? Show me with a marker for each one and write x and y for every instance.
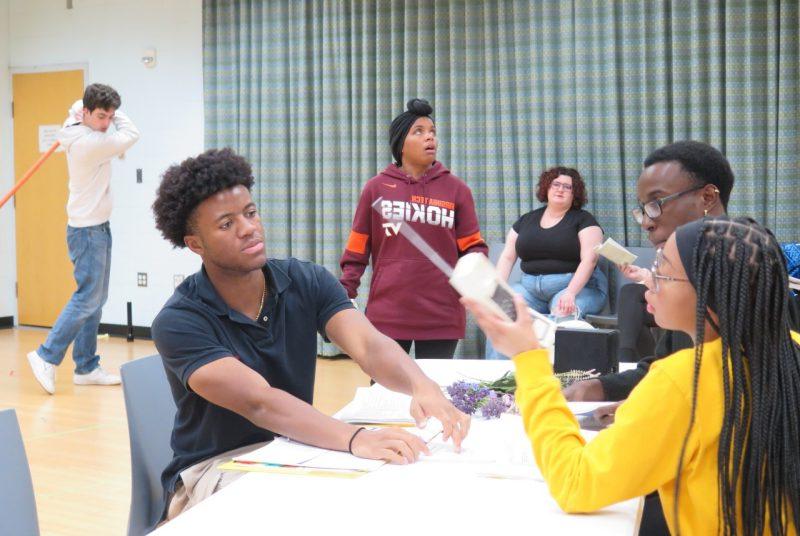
(101, 96)
(191, 182)
(704, 164)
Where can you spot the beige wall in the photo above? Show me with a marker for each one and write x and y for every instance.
(166, 103)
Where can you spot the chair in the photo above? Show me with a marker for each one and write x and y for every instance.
(495, 249)
(17, 502)
(151, 412)
(608, 318)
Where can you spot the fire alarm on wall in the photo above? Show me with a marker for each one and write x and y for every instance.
(149, 57)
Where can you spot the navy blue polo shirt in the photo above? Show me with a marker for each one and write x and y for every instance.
(196, 327)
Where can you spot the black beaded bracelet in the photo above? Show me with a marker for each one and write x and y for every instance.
(352, 437)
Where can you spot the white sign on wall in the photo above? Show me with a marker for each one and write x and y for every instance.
(48, 136)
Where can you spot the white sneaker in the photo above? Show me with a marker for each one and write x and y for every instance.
(96, 377)
(44, 372)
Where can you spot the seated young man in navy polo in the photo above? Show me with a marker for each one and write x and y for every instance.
(239, 340)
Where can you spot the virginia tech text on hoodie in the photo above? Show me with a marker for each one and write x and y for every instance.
(409, 298)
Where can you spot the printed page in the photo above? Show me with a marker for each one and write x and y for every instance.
(377, 405)
(616, 253)
(285, 452)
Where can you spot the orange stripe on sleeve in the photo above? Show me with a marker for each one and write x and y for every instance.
(357, 243)
(468, 241)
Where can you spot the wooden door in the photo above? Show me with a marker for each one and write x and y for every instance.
(44, 271)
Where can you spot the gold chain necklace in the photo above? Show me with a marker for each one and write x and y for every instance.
(263, 299)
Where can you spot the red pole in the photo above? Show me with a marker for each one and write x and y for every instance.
(28, 174)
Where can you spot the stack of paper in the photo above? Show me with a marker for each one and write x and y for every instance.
(377, 405)
(285, 454)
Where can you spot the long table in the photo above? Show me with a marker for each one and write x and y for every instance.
(453, 497)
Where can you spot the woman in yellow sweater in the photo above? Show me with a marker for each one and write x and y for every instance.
(718, 438)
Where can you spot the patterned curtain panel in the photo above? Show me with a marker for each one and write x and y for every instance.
(306, 90)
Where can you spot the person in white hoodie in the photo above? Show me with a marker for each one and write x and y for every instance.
(90, 146)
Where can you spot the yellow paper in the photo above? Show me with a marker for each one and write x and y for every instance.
(303, 471)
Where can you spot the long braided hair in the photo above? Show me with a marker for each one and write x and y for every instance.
(739, 273)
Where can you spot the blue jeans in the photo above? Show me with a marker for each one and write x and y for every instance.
(542, 293)
(90, 253)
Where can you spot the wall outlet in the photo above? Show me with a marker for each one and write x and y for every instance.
(139, 176)
(141, 279)
(177, 279)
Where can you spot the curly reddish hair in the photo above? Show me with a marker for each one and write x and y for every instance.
(578, 186)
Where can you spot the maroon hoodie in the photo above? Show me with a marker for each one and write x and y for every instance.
(409, 298)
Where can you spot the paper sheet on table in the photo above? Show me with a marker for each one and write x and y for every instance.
(285, 452)
(588, 421)
(377, 405)
(497, 449)
(250, 467)
(579, 408)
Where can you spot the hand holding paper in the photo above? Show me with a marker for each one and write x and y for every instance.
(430, 402)
(613, 251)
(635, 273)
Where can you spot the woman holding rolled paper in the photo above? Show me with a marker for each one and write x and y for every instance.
(410, 299)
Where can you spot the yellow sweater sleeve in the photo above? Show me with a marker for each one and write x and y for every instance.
(633, 457)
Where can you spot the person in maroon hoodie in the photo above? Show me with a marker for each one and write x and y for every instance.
(410, 300)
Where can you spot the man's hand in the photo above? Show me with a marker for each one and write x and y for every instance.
(587, 390)
(75, 114)
(430, 402)
(605, 414)
(392, 445)
(635, 273)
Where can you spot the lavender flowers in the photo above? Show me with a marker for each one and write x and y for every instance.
(496, 405)
(467, 396)
(497, 397)
(470, 397)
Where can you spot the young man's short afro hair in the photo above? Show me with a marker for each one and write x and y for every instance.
(191, 182)
(704, 164)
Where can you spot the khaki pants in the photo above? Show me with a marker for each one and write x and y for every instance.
(202, 480)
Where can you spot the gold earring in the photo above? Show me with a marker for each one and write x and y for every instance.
(705, 212)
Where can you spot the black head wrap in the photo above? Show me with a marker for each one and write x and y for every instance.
(686, 238)
(689, 235)
(402, 124)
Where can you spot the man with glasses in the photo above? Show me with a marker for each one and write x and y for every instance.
(681, 182)
(652, 209)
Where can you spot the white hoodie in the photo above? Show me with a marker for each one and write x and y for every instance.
(89, 155)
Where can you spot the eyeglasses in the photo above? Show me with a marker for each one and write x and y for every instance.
(653, 208)
(657, 263)
(561, 186)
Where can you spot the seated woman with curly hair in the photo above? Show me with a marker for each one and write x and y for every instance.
(556, 246)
